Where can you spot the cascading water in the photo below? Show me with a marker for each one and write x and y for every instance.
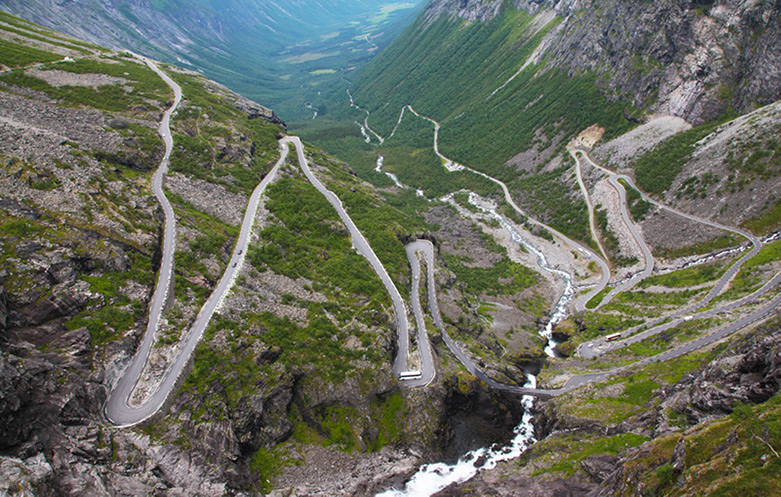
(560, 311)
(431, 478)
(394, 178)
(378, 168)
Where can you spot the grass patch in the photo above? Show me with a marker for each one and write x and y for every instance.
(581, 449)
(686, 277)
(656, 169)
(765, 222)
(16, 55)
(503, 278)
(638, 207)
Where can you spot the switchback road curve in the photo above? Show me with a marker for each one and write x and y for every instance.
(118, 409)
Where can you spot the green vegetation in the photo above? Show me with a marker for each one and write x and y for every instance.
(686, 277)
(656, 169)
(379, 222)
(595, 324)
(554, 202)
(410, 154)
(768, 253)
(766, 222)
(663, 341)
(609, 239)
(734, 456)
(144, 84)
(265, 464)
(16, 55)
(110, 322)
(637, 390)
(580, 449)
(697, 186)
(503, 278)
(753, 158)
(311, 241)
(638, 207)
(448, 70)
(215, 239)
(597, 299)
(206, 118)
(750, 277)
(639, 302)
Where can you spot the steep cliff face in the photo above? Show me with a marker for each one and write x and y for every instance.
(691, 59)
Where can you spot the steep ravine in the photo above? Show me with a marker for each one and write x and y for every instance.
(676, 420)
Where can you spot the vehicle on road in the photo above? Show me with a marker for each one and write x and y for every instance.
(614, 336)
(410, 375)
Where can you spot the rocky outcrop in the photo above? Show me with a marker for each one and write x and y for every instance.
(26, 478)
(746, 372)
(751, 374)
(3, 309)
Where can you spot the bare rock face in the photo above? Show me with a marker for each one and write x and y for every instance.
(751, 375)
(3, 309)
(29, 477)
(15, 391)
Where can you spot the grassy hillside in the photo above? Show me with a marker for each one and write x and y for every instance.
(449, 69)
(281, 55)
(453, 71)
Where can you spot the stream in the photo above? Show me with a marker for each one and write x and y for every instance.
(433, 477)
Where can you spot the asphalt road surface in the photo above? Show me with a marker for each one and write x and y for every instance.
(427, 370)
(118, 409)
(362, 247)
(580, 303)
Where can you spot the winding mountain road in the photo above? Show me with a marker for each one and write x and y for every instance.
(426, 248)
(118, 409)
(599, 346)
(639, 240)
(427, 370)
(580, 303)
(592, 223)
(362, 247)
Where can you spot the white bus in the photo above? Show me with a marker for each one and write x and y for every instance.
(614, 336)
(410, 375)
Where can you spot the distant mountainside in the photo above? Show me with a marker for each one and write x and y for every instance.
(511, 83)
(268, 51)
(694, 60)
